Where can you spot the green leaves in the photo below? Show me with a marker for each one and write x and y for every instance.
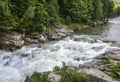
(98, 9)
(71, 74)
(35, 15)
(30, 13)
(5, 7)
(38, 77)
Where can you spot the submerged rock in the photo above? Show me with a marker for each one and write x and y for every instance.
(27, 79)
(6, 57)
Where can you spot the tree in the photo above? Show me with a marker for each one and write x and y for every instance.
(53, 11)
(108, 8)
(76, 9)
(90, 8)
(98, 9)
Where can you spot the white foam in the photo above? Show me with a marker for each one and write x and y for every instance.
(9, 74)
(116, 21)
(49, 55)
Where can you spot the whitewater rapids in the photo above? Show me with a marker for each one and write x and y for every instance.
(75, 50)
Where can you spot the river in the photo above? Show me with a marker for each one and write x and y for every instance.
(73, 50)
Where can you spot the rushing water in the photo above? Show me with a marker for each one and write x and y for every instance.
(74, 50)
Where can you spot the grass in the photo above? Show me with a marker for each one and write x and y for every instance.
(77, 27)
(116, 67)
(106, 61)
(39, 77)
(66, 74)
(71, 75)
(114, 70)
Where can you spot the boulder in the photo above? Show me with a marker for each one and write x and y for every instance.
(31, 41)
(92, 24)
(11, 40)
(105, 20)
(35, 39)
(113, 55)
(60, 32)
(64, 30)
(54, 77)
(97, 75)
(27, 79)
(42, 38)
(118, 74)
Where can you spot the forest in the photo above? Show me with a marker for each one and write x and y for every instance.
(36, 15)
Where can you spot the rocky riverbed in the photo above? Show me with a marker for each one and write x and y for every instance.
(102, 67)
(95, 55)
(12, 40)
(97, 69)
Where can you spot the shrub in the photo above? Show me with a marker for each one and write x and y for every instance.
(71, 74)
(67, 75)
(39, 77)
(68, 20)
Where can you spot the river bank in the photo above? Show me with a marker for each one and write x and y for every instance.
(11, 40)
(74, 51)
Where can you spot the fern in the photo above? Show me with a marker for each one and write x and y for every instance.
(5, 7)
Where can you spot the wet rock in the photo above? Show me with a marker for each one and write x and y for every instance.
(11, 40)
(54, 36)
(107, 40)
(93, 24)
(6, 57)
(105, 20)
(27, 79)
(99, 56)
(62, 29)
(36, 39)
(39, 46)
(118, 74)
(6, 64)
(60, 32)
(97, 75)
(113, 55)
(25, 55)
(54, 77)
(42, 38)
(77, 59)
(31, 41)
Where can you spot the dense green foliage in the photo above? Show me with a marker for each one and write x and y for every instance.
(107, 10)
(38, 15)
(117, 11)
(38, 77)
